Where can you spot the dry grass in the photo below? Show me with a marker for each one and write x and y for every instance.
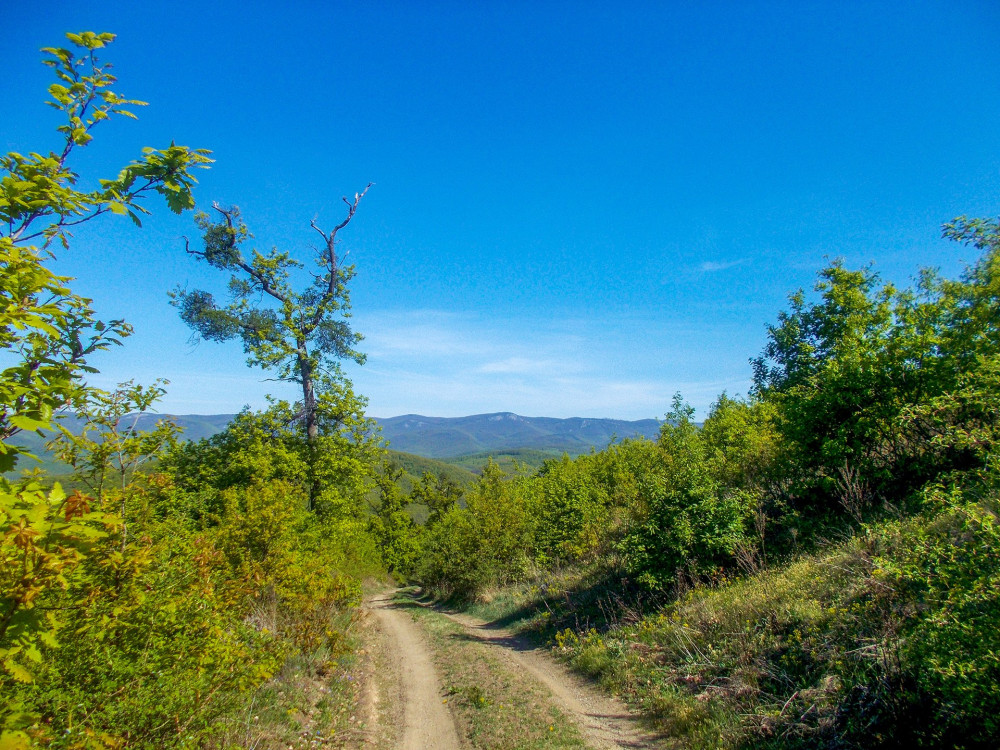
(311, 703)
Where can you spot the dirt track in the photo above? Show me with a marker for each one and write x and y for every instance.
(427, 723)
(604, 722)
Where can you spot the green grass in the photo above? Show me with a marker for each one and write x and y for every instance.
(888, 639)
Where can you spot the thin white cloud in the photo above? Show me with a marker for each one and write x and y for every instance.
(423, 333)
(454, 364)
(710, 266)
(457, 392)
(528, 366)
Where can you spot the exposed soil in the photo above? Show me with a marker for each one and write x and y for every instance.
(604, 721)
(426, 722)
(406, 696)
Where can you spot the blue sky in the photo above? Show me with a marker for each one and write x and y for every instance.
(579, 208)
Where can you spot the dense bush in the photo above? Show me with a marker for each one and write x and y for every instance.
(875, 386)
(572, 515)
(889, 639)
(487, 543)
(690, 522)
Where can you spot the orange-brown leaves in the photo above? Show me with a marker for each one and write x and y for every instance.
(76, 505)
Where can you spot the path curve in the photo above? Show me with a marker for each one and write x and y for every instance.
(604, 721)
(427, 723)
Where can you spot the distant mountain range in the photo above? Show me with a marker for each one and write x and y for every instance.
(448, 437)
(444, 437)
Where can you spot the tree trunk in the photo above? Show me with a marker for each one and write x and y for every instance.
(311, 424)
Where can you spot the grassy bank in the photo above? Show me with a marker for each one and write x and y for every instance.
(889, 638)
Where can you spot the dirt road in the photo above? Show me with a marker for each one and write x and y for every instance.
(427, 723)
(603, 722)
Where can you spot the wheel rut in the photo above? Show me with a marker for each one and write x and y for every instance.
(604, 721)
(426, 721)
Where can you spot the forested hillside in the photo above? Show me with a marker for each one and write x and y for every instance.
(464, 441)
(451, 437)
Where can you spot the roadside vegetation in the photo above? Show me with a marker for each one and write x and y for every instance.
(814, 566)
(170, 594)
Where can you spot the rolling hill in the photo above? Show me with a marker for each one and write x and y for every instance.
(464, 441)
(449, 437)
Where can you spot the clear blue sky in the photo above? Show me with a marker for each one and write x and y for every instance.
(580, 208)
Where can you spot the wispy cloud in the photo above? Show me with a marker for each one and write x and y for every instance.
(710, 266)
(587, 395)
(424, 333)
(450, 365)
(528, 366)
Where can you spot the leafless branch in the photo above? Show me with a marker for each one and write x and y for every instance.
(330, 252)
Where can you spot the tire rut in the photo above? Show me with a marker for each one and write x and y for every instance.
(604, 721)
(427, 723)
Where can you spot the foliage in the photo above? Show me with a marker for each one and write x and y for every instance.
(142, 613)
(267, 445)
(416, 466)
(50, 540)
(288, 567)
(521, 461)
(823, 364)
(690, 522)
(392, 527)
(438, 493)
(572, 511)
(109, 448)
(188, 611)
(49, 330)
(152, 653)
(487, 543)
(742, 443)
(886, 640)
(46, 538)
(875, 386)
(947, 572)
(301, 335)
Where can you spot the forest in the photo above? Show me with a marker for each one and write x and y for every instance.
(816, 565)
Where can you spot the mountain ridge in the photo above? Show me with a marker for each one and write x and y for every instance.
(442, 437)
(449, 437)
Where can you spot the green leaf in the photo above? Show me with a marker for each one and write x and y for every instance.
(8, 459)
(18, 672)
(57, 495)
(14, 740)
(22, 422)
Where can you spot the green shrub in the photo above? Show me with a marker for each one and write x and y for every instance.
(688, 521)
(572, 511)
